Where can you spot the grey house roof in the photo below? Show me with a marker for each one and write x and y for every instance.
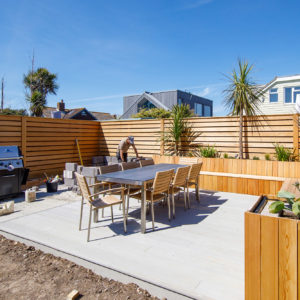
(165, 100)
(147, 96)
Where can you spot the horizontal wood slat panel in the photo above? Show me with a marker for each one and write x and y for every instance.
(54, 140)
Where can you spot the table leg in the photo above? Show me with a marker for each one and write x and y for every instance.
(143, 209)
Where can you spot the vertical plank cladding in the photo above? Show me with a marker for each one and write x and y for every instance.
(252, 256)
(298, 261)
(288, 267)
(269, 258)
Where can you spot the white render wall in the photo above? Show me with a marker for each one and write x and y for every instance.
(279, 107)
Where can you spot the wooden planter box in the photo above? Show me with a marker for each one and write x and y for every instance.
(272, 257)
(243, 176)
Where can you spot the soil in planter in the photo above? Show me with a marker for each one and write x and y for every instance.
(283, 214)
(27, 273)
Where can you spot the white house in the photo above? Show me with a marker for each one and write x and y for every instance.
(279, 95)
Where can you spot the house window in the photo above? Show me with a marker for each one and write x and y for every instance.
(199, 109)
(179, 101)
(207, 111)
(273, 95)
(290, 94)
(296, 92)
(145, 105)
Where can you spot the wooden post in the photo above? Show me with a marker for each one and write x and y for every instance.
(24, 139)
(162, 145)
(296, 133)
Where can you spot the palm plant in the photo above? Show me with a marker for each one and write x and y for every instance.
(179, 136)
(242, 96)
(38, 103)
(40, 83)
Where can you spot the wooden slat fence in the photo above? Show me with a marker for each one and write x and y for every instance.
(48, 143)
(259, 135)
(221, 132)
(146, 135)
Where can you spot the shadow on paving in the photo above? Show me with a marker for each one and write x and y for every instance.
(209, 203)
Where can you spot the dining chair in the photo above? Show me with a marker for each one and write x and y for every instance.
(178, 184)
(131, 189)
(193, 180)
(110, 169)
(95, 202)
(146, 162)
(158, 192)
(129, 165)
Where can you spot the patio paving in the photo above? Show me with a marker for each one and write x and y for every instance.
(200, 254)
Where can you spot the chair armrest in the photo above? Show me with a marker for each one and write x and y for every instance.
(107, 191)
(99, 183)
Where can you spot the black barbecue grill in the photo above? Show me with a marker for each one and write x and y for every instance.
(12, 171)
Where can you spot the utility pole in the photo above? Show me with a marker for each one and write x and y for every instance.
(2, 94)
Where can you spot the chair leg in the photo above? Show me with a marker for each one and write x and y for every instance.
(189, 201)
(81, 209)
(173, 203)
(128, 196)
(96, 215)
(169, 207)
(89, 228)
(188, 194)
(112, 213)
(185, 201)
(185, 196)
(197, 191)
(102, 212)
(152, 214)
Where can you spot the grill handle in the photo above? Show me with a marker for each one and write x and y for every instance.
(9, 175)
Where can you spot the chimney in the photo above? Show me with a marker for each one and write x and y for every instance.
(61, 105)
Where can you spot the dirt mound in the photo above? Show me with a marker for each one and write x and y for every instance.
(27, 273)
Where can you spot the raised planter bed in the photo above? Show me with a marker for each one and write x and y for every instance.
(272, 255)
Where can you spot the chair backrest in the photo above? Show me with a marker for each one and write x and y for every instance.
(84, 188)
(181, 176)
(289, 186)
(162, 181)
(109, 169)
(146, 162)
(187, 160)
(194, 171)
(130, 165)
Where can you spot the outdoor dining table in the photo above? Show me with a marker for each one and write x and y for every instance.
(140, 177)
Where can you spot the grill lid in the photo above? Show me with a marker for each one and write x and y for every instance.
(9, 152)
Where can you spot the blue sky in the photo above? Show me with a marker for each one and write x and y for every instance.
(103, 50)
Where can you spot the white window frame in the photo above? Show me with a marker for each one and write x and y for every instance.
(294, 89)
(273, 93)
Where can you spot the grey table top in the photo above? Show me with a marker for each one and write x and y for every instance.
(137, 176)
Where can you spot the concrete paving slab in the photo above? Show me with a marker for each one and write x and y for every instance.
(199, 254)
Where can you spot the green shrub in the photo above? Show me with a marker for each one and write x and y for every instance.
(225, 155)
(283, 154)
(267, 157)
(255, 158)
(208, 151)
